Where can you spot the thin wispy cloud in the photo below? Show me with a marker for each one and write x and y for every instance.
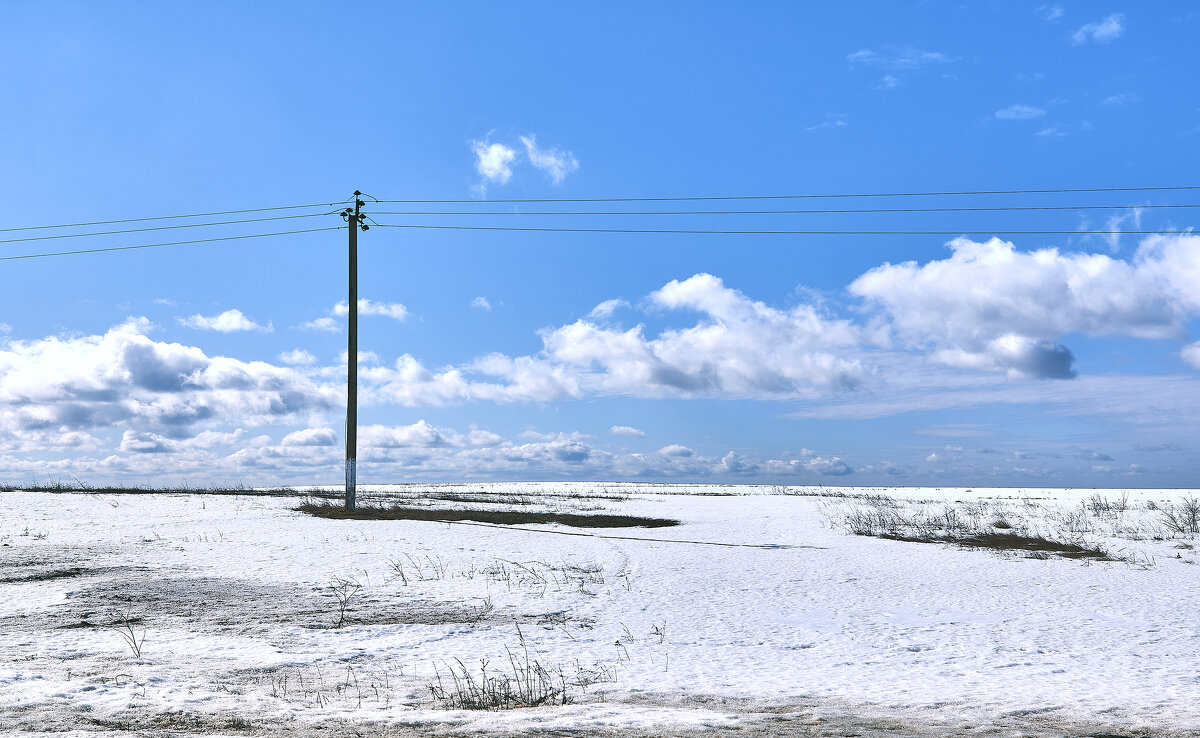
(832, 121)
(904, 58)
(1020, 112)
(481, 303)
(1050, 12)
(606, 309)
(556, 163)
(1102, 31)
(1121, 99)
(897, 62)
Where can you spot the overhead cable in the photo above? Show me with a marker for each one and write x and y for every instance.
(704, 232)
(804, 196)
(848, 211)
(169, 243)
(159, 228)
(170, 217)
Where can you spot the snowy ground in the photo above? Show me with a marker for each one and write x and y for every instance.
(809, 631)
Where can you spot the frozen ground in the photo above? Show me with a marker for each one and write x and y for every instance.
(810, 631)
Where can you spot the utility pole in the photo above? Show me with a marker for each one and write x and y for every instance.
(353, 218)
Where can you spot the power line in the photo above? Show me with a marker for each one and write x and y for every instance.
(802, 197)
(849, 211)
(703, 232)
(170, 217)
(160, 228)
(169, 243)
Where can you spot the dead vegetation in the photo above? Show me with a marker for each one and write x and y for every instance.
(333, 511)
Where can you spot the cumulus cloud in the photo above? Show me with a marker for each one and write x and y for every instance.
(311, 437)
(420, 434)
(831, 466)
(480, 437)
(991, 306)
(676, 450)
(229, 321)
(124, 378)
(1019, 112)
(556, 163)
(297, 357)
(393, 310)
(626, 430)
(1103, 31)
(328, 325)
(738, 348)
(482, 303)
(1191, 354)
(493, 161)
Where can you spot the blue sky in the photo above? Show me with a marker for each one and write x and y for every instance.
(978, 357)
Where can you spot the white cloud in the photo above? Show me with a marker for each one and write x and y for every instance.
(832, 120)
(1121, 99)
(1051, 132)
(1102, 31)
(606, 309)
(5, 328)
(297, 357)
(493, 161)
(392, 310)
(1019, 112)
(311, 437)
(832, 466)
(229, 321)
(420, 434)
(738, 348)
(482, 303)
(1191, 354)
(626, 430)
(140, 442)
(676, 450)
(1050, 12)
(898, 58)
(889, 82)
(556, 163)
(124, 378)
(479, 437)
(989, 306)
(329, 325)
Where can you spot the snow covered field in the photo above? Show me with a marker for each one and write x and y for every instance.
(234, 605)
